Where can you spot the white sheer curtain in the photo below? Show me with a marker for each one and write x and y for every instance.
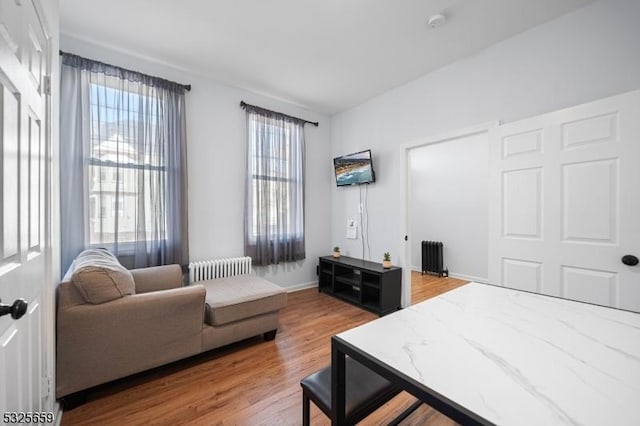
(123, 164)
(274, 213)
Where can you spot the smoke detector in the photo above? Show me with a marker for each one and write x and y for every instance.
(437, 20)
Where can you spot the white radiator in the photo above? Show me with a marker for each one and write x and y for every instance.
(219, 268)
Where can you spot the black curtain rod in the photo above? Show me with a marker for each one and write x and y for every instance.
(186, 87)
(243, 105)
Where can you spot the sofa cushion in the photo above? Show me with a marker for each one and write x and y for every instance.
(235, 298)
(100, 278)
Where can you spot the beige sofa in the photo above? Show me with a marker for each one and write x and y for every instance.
(112, 323)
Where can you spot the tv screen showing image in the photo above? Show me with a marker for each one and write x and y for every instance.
(354, 169)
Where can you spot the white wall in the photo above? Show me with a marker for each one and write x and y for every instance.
(216, 160)
(586, 55)
(448, 202)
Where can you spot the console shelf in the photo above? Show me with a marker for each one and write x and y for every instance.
(362, 283)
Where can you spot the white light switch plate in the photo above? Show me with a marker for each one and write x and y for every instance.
(352, 229)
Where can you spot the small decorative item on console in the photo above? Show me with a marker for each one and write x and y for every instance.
(336, 251)
(386, 261)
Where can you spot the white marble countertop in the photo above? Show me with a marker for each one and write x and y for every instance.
(515, 358)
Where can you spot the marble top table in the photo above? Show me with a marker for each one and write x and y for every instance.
(484, 354)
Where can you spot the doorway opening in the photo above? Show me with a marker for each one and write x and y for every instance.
(445, 199)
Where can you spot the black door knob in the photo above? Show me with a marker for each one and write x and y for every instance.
(629, 260)
(17, 310)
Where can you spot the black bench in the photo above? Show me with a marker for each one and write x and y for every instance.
(365, 391)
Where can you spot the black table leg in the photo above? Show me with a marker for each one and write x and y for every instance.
(338, 385)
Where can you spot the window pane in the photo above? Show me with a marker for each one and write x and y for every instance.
(277, 206)
(125, 206)
(271, 154)
(124, 126)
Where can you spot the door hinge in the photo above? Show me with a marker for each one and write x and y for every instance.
(47, 85)
(46, 387)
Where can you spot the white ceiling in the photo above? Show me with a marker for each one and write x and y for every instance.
(325, 55)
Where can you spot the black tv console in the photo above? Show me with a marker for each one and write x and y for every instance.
(362, 283)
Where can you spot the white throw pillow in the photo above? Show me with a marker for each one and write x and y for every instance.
(100, 278)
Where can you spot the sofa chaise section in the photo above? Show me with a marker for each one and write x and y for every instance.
(240, 305)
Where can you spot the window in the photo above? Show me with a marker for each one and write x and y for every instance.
(124, 166)
(275, 185)
(275, 189)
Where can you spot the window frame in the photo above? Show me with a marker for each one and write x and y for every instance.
(256, 178)
(124, 247)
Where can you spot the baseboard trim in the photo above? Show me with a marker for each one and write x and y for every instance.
(303, 286)
(57, 409)
(458, 276)
(469, 278)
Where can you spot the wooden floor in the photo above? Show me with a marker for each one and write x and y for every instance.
(253, 382)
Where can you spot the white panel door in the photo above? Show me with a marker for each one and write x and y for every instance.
(24, 247)
(565, 203)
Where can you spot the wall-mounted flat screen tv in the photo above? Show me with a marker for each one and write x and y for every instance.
(354, 169)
